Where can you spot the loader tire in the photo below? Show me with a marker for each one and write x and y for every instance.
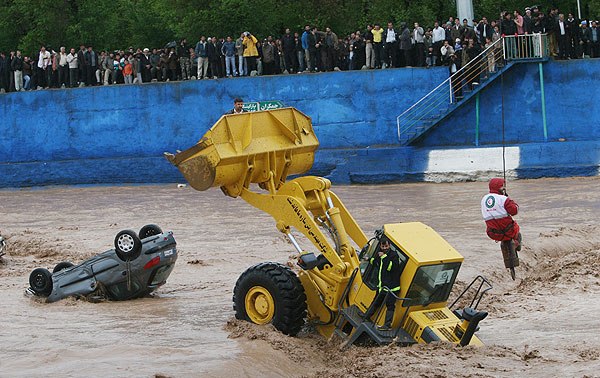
(271, 293)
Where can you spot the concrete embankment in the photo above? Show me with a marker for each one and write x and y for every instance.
(117, 134)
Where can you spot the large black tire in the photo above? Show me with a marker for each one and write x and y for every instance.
(285, 289)
(128, 245)
(149, 230)
(40, 281)
(61, 266)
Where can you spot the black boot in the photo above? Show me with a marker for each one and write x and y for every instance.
(389, 316)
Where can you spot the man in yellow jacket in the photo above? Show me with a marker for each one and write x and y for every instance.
(250, 51)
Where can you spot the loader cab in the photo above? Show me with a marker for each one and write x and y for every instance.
(369, 274)
(429, 265)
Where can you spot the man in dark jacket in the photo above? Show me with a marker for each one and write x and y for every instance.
(213, 57)
(507, 26)
(455, 80)
(82, 66)
(183, 52)
(594, 38)
(3, 69)
(484, 30)
(17, 66)
(573, 36)
(268, 56)
(330, 44)
(388, 269)
(405, 46)
(91, 65)
(146, 66)
(288, 45)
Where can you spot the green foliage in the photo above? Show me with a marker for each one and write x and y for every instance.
(111, 24)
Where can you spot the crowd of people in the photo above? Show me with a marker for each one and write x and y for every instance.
(312, 50)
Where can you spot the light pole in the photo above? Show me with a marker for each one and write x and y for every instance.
(464, 8)
(578, 10)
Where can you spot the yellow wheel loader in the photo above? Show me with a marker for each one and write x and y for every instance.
(335, 285)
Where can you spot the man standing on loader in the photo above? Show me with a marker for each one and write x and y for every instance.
(387, 266)
(497, 210)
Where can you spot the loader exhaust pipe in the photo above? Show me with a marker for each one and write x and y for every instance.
(473, 318)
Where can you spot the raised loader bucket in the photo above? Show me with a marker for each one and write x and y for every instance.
(246, 148)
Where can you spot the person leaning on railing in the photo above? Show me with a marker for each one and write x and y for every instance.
(455, 80)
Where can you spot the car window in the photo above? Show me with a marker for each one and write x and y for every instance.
(120, 291)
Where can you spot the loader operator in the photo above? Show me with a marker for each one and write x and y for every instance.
(387, 265)
(497, 210)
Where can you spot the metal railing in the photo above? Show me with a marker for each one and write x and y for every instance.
(429, 109)
(528, 46)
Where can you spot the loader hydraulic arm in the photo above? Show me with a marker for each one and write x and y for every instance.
(264, 148)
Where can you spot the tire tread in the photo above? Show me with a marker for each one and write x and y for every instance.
(288, 294)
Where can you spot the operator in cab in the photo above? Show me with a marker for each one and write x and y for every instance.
(387, 265)
(497, 210)
(238, 107)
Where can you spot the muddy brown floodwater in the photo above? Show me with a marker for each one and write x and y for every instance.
(544, 324)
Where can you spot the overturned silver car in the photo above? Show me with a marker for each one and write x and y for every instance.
(134, 268)
(2, 246)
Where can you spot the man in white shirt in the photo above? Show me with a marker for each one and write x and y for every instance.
(561, 33)
(63, 67)
(438, 36)
(418, 35)
(390, 37)
(73, 68)
(42, 65)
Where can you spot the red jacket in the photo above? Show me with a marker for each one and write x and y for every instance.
(497, 210)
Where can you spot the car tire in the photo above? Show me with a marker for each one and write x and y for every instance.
(149, 230)
(271, 293)
(40, 281)
(61, 266)
(128, 245)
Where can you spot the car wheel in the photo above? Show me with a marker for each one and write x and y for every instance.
(271, 293)
(40, 281)
(149, 230)
(61, 266)
(128, 245)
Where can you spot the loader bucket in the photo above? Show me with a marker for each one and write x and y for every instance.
(259, 147)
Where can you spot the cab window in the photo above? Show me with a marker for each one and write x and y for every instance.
(370, 275)
(432, 283)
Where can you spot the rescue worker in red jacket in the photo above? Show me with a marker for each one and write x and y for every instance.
(497, 210)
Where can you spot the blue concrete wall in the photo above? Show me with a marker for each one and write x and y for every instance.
(117, 134)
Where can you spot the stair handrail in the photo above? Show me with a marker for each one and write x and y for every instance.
(539, 47)
(440, 98)
(463, 68)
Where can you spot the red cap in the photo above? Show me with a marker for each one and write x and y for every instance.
(496, 184)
